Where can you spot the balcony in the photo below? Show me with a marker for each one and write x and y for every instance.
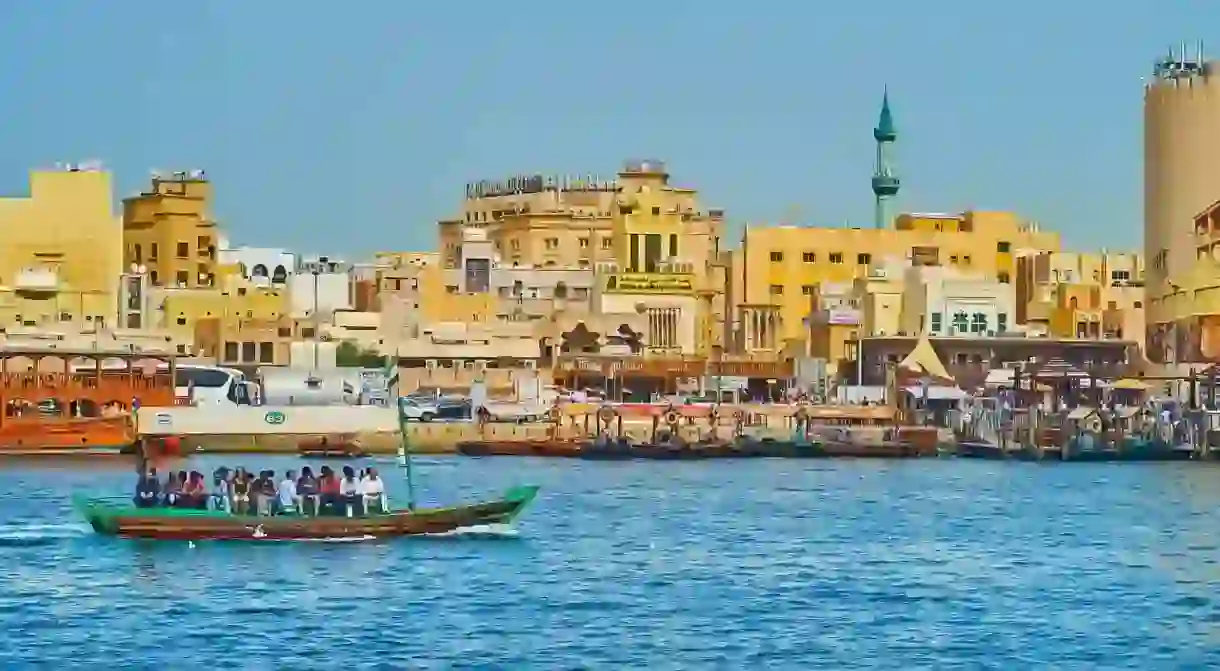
(36, 279)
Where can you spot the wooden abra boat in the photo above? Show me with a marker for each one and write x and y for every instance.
(125, 520)
(341, 446)
(62, 400)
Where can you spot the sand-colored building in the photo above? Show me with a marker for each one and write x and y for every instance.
(1081, 295)
(779, 268)
(169, 231)
(234, 300)
(62, 256)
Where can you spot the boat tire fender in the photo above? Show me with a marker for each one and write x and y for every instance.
(671, 418)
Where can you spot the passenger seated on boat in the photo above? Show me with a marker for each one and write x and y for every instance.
(221, 490)
(349, 492)
(264, 492)
(307, 492)
(287, 493)
(328, 486)
(195, 493)
(148, 490)
(173, 488)
(241, 492)
(372, 491)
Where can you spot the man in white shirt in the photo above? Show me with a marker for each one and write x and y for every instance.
(372, 488)
(286, 493)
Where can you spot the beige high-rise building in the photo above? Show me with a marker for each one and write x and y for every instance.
(1181, 142)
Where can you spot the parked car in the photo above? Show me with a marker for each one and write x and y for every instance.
(426, 410)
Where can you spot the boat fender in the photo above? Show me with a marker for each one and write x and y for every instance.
(671, 418)
(1093, 425)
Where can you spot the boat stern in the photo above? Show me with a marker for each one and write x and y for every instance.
(97, 513)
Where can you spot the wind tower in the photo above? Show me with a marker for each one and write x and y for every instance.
(885, 184)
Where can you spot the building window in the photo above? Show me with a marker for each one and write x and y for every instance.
(673, 246)
(152, 277)
(953, 259)
(230, 354)
(515, 244)
(181, 320)
(1003, 278)
(966, 260)
(777, 257)
(607, 243)
(183, 277)
(247, 352)
(836, 257)
(65, 316)
(584, 243)
(864, 259)
(266, 352)
(1120, 276)
(809, 257)
(152, 252)
(936, 323)
(1139, 304)
(777, 290)
(284, 332)
(551, 243)
(307, 332)
(978, 323)
(1001, 322)
(656, 211)
(1112, 305)
(451, 289)
(184, 250)
(961, 323)
(1003, 247)
(807, 289)
(137, 253)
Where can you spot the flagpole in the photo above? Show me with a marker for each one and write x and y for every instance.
(404, 443)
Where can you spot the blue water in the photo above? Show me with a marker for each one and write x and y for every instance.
(932, 564)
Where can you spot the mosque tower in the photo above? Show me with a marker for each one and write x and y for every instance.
(885, 184)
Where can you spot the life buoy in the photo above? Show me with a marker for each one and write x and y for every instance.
(671, 418)
(1093, 424)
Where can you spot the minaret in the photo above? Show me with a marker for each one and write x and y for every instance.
(885, 184)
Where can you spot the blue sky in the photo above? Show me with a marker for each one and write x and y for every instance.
(350, 127)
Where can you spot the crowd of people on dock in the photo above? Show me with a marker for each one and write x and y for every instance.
(240, 492)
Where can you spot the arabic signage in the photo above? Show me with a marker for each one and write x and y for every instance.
(649, 283)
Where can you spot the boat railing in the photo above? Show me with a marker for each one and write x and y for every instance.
(33, 381)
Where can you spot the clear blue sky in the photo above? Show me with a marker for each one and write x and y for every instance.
(349, 127)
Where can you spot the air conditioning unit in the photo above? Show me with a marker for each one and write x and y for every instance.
(430, 364)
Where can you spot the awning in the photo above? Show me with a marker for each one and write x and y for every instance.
(937, 393)
(1128, 383)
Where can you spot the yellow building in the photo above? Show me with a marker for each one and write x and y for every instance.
(779, 268)
(234, 301)
(169, 230)
(62, 252)
(1081, 295)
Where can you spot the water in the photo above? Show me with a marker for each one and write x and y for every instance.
(764, 564)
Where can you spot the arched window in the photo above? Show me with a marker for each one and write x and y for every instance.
(279, 275)
(259, 270)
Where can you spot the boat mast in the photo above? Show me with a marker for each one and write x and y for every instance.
(404, 442)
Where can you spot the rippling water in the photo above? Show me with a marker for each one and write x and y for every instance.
(760, 564)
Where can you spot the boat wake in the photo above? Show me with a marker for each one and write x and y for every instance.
(34, 535)
(479, 531)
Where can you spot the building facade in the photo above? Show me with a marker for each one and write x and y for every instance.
(169, 231)
(62, 257)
